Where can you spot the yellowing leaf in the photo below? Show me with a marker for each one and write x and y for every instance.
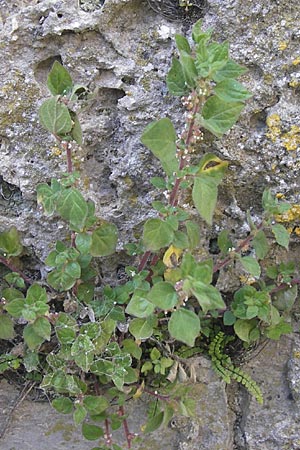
(171, 256)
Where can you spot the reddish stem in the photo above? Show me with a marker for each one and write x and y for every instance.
(174, 193)
(108, 440)
(243, 244)
(69, 158)
(15, 269)
(284, 286)
(129, 436)
(155, 394)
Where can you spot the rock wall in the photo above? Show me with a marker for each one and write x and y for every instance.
(121, 50)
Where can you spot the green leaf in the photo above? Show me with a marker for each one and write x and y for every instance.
(91, 432)
(228, 318)
(154, 423)
(42, 328)
(282, 236)
(139, 306)
(63, 405)
(6, 327)
(79, 414)
(59, 81)
(31, 361)
(180, 240)
(260, 244)
(205, 194)
(210, 174)
(31, 338)
(83, 242)
(10, 244)
(251, 266)
(175, 79)
(60, 280)
(230, 70)
(66, 328)
(244, 328)
(104, 240)
(141, 328)
(83, 351)
(275, 331)
(85, 292)
(157, 234)
(231, 91)
(10, 294)
(55, 117)
(224, 242)
(284, 299)
(198, 34)
(189, 69)
(182, 44)
(163, 295)
(219, 116)
(208, 296)
(72, 207)
(47, 196)
(15, 307)
(76, 131)
(13, 278)
(132, 348)
(184, 325)
(193, 232)
(95, 404)
(160, 138)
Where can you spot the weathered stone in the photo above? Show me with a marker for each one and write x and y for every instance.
(121, 50)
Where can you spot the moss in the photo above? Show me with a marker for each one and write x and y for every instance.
(61, 427)
(18, 98)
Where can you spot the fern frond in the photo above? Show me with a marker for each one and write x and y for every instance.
(224, 367)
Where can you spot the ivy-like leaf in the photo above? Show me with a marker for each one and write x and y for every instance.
(160, 138)
(157, 234)
(104, 240)
(205, 194)
(55, 117)
(59, 81)
(184, 325)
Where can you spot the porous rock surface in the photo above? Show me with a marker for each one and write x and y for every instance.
(121, 50)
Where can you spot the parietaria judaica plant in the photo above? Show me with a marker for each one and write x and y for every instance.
(135, 339)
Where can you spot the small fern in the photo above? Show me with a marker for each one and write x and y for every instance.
(224, 367)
